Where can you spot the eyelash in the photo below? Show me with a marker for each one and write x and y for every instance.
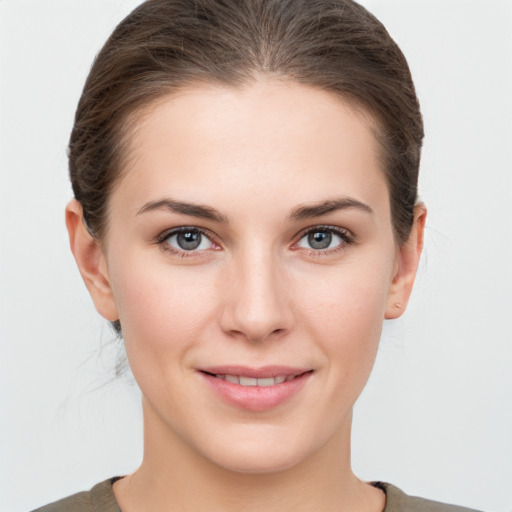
(345, 235)
(162, 241)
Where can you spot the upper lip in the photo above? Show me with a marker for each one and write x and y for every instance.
(257, 373)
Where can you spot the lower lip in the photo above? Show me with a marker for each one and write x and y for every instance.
(256, 398)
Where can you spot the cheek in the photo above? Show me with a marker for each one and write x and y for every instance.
(346, 315)
(353, 299)
(161, 308)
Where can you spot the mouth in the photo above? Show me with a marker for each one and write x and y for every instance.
(256, 390)
(244, 380)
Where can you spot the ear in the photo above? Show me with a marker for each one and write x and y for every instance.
(91, 261)
(407, 264)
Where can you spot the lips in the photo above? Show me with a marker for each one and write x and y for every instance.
(255, 389)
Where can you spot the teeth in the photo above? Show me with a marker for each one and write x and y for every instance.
(248, 381)
(233, 378)
(251, 381)
(266, 382)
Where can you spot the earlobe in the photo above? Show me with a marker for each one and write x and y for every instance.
(407, 265)
(91, 261)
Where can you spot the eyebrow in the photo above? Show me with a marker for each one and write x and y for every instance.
(194, 210)
(330, 206)
(298, 213)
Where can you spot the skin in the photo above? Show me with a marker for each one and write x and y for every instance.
(255, 293)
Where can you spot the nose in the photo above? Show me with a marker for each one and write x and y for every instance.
(257, 301)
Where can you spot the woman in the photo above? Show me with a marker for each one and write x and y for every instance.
(246, 216)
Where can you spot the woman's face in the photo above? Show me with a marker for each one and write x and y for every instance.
(250, 242)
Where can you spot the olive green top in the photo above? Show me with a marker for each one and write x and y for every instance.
(101, 499)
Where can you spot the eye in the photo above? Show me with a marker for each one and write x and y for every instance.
(186, 240)
(324, 239)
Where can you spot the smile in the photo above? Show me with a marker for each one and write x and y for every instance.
(256, 390)
(252, 381)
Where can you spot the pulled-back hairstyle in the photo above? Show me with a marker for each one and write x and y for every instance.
(165, 45)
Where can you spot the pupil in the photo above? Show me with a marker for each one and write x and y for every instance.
(320, 239)
(189, 240)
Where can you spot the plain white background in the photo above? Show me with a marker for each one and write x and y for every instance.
(436, 416)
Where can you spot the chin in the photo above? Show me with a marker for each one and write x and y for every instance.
(259, 455)
(260, 463)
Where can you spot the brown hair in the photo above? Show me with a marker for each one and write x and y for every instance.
(164, 45)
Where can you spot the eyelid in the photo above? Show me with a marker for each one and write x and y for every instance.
(345, 234)
(165, 235)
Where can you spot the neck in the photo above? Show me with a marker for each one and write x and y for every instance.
(174, 477)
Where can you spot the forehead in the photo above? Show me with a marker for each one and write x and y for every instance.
(206, 142)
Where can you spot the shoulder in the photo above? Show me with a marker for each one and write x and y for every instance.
(80, 502)
(398, 501)
(99, 499)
